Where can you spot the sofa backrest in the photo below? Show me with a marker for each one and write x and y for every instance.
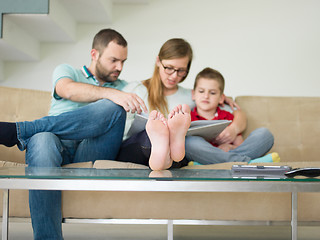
(294, 121)
(21, 105)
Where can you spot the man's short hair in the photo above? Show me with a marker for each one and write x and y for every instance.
(105, 36)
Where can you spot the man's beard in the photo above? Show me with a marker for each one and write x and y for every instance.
(104, 75)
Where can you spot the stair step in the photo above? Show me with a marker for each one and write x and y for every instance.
(22, 6)
(17, 44)
(25, 24)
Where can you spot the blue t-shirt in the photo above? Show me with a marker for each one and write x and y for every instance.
(83, 75)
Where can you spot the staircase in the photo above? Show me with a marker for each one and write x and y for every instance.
(25, 24)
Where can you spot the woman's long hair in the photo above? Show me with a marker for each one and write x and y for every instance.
(172, 49)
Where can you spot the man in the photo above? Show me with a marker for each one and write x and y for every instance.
(65, 136)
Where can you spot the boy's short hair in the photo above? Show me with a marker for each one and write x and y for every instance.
(210, 73)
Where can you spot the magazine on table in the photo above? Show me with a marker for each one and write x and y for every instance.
(208, 129)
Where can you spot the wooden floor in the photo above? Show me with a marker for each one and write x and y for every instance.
(72, 231)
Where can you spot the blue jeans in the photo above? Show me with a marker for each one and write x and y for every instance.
(258, 143)
(89, 133)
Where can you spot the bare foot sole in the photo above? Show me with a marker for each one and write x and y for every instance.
(178, 122)
(158, 133)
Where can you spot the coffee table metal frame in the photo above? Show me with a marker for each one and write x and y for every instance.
(294, 187)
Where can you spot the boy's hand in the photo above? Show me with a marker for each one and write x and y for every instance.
(228, 135)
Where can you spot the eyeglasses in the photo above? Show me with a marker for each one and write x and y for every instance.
(170, 70)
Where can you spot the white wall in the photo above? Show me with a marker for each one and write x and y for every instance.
(262, 47)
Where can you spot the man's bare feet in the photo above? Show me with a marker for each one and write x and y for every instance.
(178, 122)
(158, 132)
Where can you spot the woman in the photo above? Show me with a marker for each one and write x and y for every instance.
(162, 93)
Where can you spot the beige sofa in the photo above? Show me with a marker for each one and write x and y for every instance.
(294, 121)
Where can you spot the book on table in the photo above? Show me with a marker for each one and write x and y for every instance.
(208, 129)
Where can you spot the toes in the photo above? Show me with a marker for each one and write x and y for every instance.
(186, 108)
(160, 115)
(153, 115)
(179, 109)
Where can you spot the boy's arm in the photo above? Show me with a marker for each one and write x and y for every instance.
(237, 126)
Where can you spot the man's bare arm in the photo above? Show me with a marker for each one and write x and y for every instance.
(82, 92)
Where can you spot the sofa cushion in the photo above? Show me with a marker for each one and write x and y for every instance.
(294, 122)
(21, 105)
(18, 200)
(116, 164)
(79, 165)
(11, 164)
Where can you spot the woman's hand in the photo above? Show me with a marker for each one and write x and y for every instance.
(231, 103)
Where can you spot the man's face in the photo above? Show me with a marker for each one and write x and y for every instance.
(110, 63)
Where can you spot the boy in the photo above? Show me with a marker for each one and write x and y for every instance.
(208, 94)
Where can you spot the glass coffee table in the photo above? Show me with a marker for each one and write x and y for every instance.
(180, 180)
